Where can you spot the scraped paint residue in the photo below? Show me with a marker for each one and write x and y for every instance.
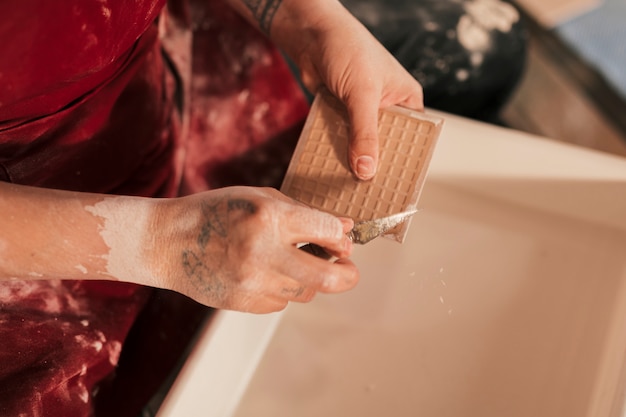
(123, 231)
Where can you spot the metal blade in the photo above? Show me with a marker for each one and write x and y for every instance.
(365, 231)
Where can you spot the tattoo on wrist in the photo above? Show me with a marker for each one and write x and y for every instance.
(263, 11)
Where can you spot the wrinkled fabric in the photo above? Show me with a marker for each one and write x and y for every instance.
(59, 339)
(246, 106)
(79, 83)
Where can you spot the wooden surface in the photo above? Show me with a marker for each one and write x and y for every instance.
(562, 98)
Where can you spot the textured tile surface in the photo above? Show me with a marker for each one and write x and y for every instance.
(319, 174)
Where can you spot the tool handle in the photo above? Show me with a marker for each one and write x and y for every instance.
(316, 250)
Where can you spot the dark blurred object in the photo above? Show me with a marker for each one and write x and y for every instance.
(468, 55)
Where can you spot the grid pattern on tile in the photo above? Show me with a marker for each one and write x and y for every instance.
(319, 175)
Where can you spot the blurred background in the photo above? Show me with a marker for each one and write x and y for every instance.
(574, 85)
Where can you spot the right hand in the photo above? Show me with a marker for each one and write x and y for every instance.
(235, 248)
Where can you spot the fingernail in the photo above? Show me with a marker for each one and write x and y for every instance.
(365, 167)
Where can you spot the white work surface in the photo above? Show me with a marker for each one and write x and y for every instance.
(507, 299)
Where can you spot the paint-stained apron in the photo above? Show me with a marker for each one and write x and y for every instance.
(130, 97)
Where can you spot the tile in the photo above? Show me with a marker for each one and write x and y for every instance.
(319, 174)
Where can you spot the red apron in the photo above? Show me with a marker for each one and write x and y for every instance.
(89, 103)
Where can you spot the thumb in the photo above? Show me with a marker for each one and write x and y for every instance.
(363, 146)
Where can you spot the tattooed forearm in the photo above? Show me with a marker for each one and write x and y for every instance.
(263, 11)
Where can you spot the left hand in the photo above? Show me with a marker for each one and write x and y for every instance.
(340, 53)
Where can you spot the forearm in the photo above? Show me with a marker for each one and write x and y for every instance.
(230, 248)
(53, 234)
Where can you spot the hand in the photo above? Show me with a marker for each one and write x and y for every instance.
(342, 55)
(332, 48)
(235, 248)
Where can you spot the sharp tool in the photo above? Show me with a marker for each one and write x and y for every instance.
(365, 231)
(368, 230)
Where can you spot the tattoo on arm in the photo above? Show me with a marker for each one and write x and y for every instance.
(263, 11)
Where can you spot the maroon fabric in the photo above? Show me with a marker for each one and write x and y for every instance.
(81, 85)
(245, 104)
(87, 103)
(59, 339)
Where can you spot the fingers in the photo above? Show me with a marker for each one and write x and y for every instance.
(415, 97)
(363, 106)
(302, 224)
(318, 275)
(298, 279)
(347, 224)
(363, 109)
(239, 250)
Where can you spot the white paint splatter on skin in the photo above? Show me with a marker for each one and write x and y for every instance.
(124, 232)
(81, 268)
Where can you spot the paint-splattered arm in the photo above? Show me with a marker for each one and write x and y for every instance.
(48, 234)
(232, 248)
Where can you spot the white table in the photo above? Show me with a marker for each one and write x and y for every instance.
(508, 298)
